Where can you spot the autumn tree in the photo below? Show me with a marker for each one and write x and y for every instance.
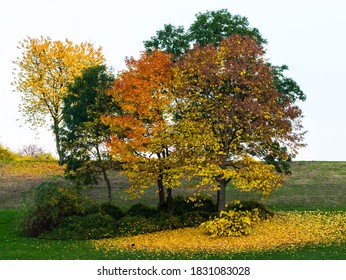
(141, 133)
(45, 69)
(233, 115)
(212, 27)
(84, 135)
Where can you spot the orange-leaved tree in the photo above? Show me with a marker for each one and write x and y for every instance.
(46, 68)
(141, 134)
(232, 116)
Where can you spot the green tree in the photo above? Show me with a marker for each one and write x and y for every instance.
(84, 135)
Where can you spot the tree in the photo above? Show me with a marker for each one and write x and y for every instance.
(212, 27)
(209, 28)
(232, 116)
(171, 39)
(141, 133)
(45, 70)
(84, 134)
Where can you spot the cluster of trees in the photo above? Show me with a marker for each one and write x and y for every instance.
(203, 104)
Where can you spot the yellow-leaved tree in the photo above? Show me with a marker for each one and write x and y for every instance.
(43, 73)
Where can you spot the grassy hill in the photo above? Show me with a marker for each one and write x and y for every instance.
(313, 185)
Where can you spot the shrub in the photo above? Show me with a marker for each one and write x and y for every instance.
(140, 209)
(91, 226)
(194, 219)
(232, 223)
(264, 212)
(183, 205)
(133, 225)
(112, 210)
(48, 204)
(6, 154)
(166, 222)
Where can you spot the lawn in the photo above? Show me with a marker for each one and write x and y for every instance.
(312, 186)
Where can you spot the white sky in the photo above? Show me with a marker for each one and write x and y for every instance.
(308, 36)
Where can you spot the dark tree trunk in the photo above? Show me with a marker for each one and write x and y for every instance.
(104, 174)
(170, 202)
(109, 187)
(161, 191)
(221, 196)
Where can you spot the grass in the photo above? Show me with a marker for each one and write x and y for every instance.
(312, 186)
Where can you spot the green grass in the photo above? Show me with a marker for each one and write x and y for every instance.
(312, 186)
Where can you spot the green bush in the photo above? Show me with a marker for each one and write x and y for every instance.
(48, 204)
(183, 205)
(114, 211)
(140, 209)
(91, 226)
(232, 223)
(133, 225)
(194, 219)
(166, 222)
(264, 212)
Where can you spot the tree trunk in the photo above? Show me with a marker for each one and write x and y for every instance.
(104, 174)
(221, 196)
(161, 191)
(57, 141)
(109, 187)
(170, 202)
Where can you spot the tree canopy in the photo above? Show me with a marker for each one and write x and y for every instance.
(45, 70)
(84, 135)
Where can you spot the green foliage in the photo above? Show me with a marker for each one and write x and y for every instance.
(48, 204)
(91, 226)
(195, 218)
(214, 26)
(112, 210)
(83, 134)
(140, 209)
(183, 205)
(232, 223)
(263, 211)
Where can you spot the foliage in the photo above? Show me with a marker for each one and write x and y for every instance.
(171, 39)
(46, 67)
(115, 212)
(210, 27)
(184, 205)
(33, 152)
(139, 209)
(91, 226)
(263, 211)
(84, 134)
(230, 112)
(48, 204)
(141, 133)
(6, 154)
(285, 231)
(232, 223)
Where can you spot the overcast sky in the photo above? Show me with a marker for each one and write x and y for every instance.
(308, 36)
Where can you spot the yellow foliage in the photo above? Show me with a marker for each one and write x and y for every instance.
(285, 229)
(45, 70)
